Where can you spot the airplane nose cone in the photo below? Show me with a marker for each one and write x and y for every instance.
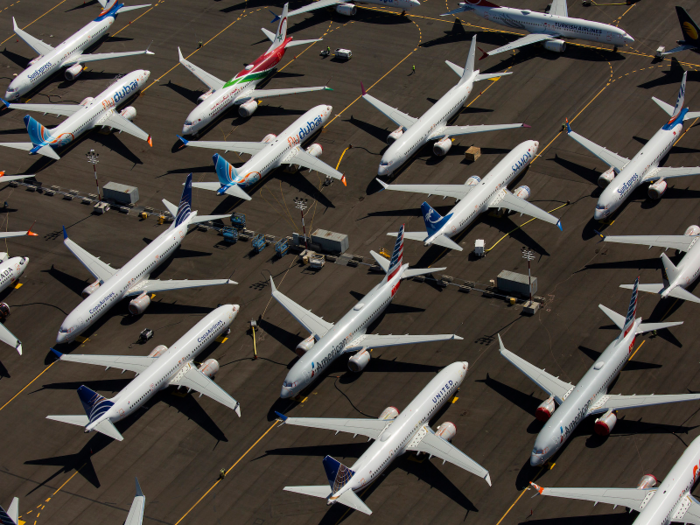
(599, 215)
(10, 96)
(61, 338)
(629, 40)
(537, 144)
(383, 170)
(536, 460)
(146, 73)
(26, 260)
(286, 393)
(415, 3)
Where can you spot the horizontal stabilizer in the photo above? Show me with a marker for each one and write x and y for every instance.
(171, 207)
(294, 43)
(683, 294)
(127, 8)
(48, 151)
(412, 236)
(206, 218)
(649, 288)
(650, 327)
(269, 34)
(107, 428)
(317, 491)
(445, 242)
(78, 421)
(413, 272)
(616, 318)
(381, 260)
(352, 500)
(489, 76)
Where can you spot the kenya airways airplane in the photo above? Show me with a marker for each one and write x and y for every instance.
(240, 90)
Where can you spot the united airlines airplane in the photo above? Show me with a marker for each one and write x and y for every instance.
(394, 434)
(69, 53)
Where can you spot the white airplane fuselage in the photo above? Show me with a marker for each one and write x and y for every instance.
(688, 268)
(11, 270)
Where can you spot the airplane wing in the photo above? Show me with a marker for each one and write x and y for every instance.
(456, 191)
(250, 148)
(434, 445)
(190, 377)
(692, 514)
(532, 38)
(314, 324)
(60, 110)
(631, 498)
(684, 47)
(678, 242)
(511, 202)
(135, 516)
(370, 428)
(313, 6)
(233, 190)
(611, 159)
(156, 285)
(671, 173)
(547, 382)
(559, 8)
(306, 160)
(133, 363)
(116, 121)
(209, 80)
(379, 341)
(269, 93)
(620, 402)
(37, 45)
(99, 269)
(453, 131)
(94, 57)
(7, 235)
(10, 178)
(9, 339)
(402, 119)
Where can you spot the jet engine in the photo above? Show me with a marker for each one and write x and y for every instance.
(73, 72)
(158, 351)
(138, 306)
(246, 109)
(692, 230)
(523, 192)
(306, 345)
(89, 289)
(473, 181)
(394, 135)
(269, 138)
(647, 481)
(315, 150)
(605, 423)
(545, 410)
(657, 189)
(446, 431)
(205, 96)
(86, 101)
(389, 413)
(129, 113)
(556, 46)
(346, 9)
(359, 361)
(442, 146)
(209, 368)
(606, 178)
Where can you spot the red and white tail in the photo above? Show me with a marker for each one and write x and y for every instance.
(631, 310)
(397, 256)
(281, 34)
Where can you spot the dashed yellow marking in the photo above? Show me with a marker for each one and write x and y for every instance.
(221, 339)
(82, 340)
(454, 400)
(18, 286)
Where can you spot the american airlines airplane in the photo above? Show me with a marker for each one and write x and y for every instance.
(133, 279)
(69, 53)
(671, 501)
(590, 396)
(269, 154)
(625, 175)
(241, 90)
(691, 34)
(91, 112)
(162, 368)
(413, 133)
(393, 435)
(475, 197)
(329, 341)
(549, 28)
(350, 8)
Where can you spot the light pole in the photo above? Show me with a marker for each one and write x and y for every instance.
(93, 158)
(529, 256)
(301, 204)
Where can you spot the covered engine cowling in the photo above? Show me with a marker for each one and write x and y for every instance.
(394, 135)
(4, 311)
(605, 423)
(73, 72)
(606, 178)
(545, 410)
(556, 46)
(359, 361)
(389, 413)
(268, 138)
(205, 96)
(523, 192)
(346, 9)
(693, 229)
(657, 189)
(209, 368)
(306, 345)
(86, 101)
(89, 289)
(129, 113)
(158, 351)
(442, 146)
(138, 306)
(446, 431)
(246, 109)
(315, 150)
(647, 481)
(473, 181)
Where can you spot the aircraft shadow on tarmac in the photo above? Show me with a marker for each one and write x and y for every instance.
(379, 133)
(594, 355)
(673, 75)
(621, 518)
(19, 60)
(190, 94)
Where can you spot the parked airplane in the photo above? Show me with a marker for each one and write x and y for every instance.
(10, 178)
(241, 90)
(11, 516)
(671, 501)
(350, 8)
(475, 197)
(625, 175)
(329, 341)
(691, 34)
(590, 396)
(413, 133)
(69, 53)
(394, 434)
(133, 279)
(271, 153)
(549, 28)
(162, 368)
(91, 112)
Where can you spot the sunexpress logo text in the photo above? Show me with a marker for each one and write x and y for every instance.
(43, 69)
(629, 184)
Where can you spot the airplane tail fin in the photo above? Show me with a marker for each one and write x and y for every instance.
(93, 403)
(338, 474)
(224, 170)
(38, 134)
(394, 265)
(690, 30)
(433, 220)
(184, 210)
(469, 66)
(669, 268)
(11, 517)
(281, 34)
(631, 309)
(680, 100)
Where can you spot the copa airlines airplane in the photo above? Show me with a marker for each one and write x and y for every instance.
(549, 28)
(475, 197)
(625, 175)
(329, 341)
(671, 501)
(240, 90)
(162, 368)
(69, 53)
(269, 154)
(413, 133)
(691, 34)
(133, 279)
(350, 8)
(590, 396)
(90, 113)
(394, 434)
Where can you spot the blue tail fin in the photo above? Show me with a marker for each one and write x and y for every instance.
(38, 134)
(338, 474)
(93, 403)
(433, 220)
(224, 170)
(185, 208)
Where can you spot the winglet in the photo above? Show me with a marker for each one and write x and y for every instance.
(5, 102)
(272, 284)
(559, 225)
(139, 492)
(487, 478)
(568, 126)
(58, 354)
(526, 126)
(384, 184)
(183, 139)
(65, 233)
(500, 343)
(361, 85)
(344, 181)
(30, 232)
(150, 141)
(602, 237)
(282, 416)
(484, 54)
(237, 410)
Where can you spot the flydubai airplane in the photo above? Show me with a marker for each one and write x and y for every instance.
(590, 396)
(350, 8)
(625, 175)
(671, 501)
(691, 34)
(91, 112)
(393, 434)
(133, 279)
(69, 53)
(240, 90)
(549, 28)
(271, 153)
(475, 197)
(329, 341)
(413, 133)
(162, 368)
